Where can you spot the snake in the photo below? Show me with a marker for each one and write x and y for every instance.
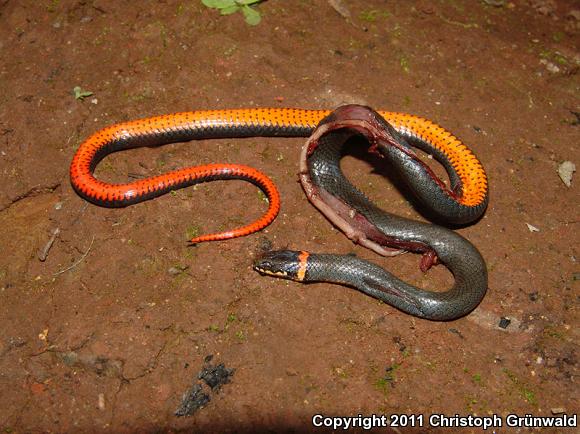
(464, 202)
(326, 186)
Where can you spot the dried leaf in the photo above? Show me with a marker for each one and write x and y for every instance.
(340, 7)
(565, 171)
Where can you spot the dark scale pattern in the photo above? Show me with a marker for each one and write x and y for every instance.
(460, 256)
(468, 291)
(442, 144)
(421, 180)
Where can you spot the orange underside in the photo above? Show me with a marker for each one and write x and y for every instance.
(464, 162)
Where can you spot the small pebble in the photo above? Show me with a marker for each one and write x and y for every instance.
(101, 402)
(566, 171)
(504, 322)
(174, 271)
(558, 410)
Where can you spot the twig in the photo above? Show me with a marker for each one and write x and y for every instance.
(342, 9)
(43, 253)
(495, 3)
(458, 23)
(77, 262)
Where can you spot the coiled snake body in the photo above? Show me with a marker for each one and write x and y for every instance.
(346, 207)
(363, 222)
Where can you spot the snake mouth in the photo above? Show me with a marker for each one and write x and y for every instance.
(287, 264)
(268, 272)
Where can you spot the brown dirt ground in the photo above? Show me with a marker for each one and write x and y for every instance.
(113, 343)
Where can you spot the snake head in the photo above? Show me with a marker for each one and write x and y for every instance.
(288, 264)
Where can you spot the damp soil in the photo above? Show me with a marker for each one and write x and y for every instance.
(110, 330)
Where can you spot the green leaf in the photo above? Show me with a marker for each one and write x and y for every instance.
(81, 94)
(229, 10)
(252, 16)
(247, 2)
(218, 4)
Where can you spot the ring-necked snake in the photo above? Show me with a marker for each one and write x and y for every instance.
(364, 223)
(465, 202)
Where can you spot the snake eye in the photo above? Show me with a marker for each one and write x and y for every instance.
(263, 265)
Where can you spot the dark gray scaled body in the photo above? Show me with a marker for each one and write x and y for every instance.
(459, 255)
